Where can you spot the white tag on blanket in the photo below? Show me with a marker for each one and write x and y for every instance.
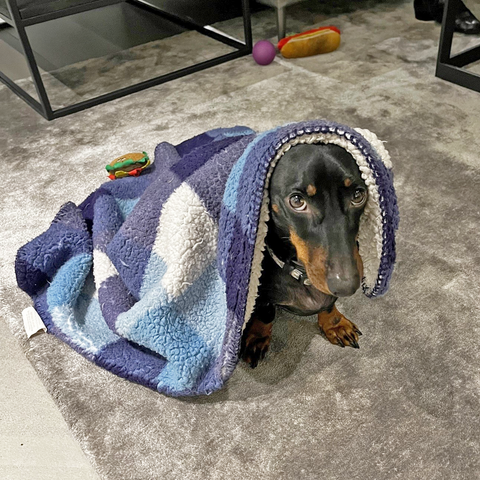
(32, 322)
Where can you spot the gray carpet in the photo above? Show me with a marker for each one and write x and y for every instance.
(406, 405)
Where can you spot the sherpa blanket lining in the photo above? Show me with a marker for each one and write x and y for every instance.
(154, 278)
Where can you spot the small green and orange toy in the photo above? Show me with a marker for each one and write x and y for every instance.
(311, 42)
(128, 165)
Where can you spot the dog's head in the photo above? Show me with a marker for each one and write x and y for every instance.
(317, 198)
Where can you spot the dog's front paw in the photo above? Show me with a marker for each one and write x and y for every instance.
(255, 342)
(338, 329)
(255, 350)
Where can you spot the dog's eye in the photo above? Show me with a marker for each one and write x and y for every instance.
(359, 197)
(298, 203)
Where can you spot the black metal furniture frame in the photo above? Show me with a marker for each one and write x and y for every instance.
(44, 107)
(448, 67)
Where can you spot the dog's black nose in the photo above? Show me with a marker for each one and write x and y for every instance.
(343, 286)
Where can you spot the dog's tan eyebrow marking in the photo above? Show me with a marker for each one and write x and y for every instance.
(347, 182)
(275, 208)
(311, 190)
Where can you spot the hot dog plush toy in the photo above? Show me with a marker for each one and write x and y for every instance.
(311, 42)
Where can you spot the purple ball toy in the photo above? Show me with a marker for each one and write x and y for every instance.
(264, 52)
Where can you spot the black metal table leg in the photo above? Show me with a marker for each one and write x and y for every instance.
(451, 68)
(44, 107)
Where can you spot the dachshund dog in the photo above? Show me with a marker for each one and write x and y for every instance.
(317, 197)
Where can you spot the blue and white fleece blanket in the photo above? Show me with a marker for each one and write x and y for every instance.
(154, 278)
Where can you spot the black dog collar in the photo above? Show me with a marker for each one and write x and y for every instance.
(292, 267)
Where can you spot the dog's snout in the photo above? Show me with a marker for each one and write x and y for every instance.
(343, 279)
(343, 287)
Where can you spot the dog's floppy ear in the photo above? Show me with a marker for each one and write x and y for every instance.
(358, 258)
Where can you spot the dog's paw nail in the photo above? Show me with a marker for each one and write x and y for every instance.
(340, 343)
(358, 331)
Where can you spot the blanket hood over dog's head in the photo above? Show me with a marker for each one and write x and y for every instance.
(153, 278)
(380, 217)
